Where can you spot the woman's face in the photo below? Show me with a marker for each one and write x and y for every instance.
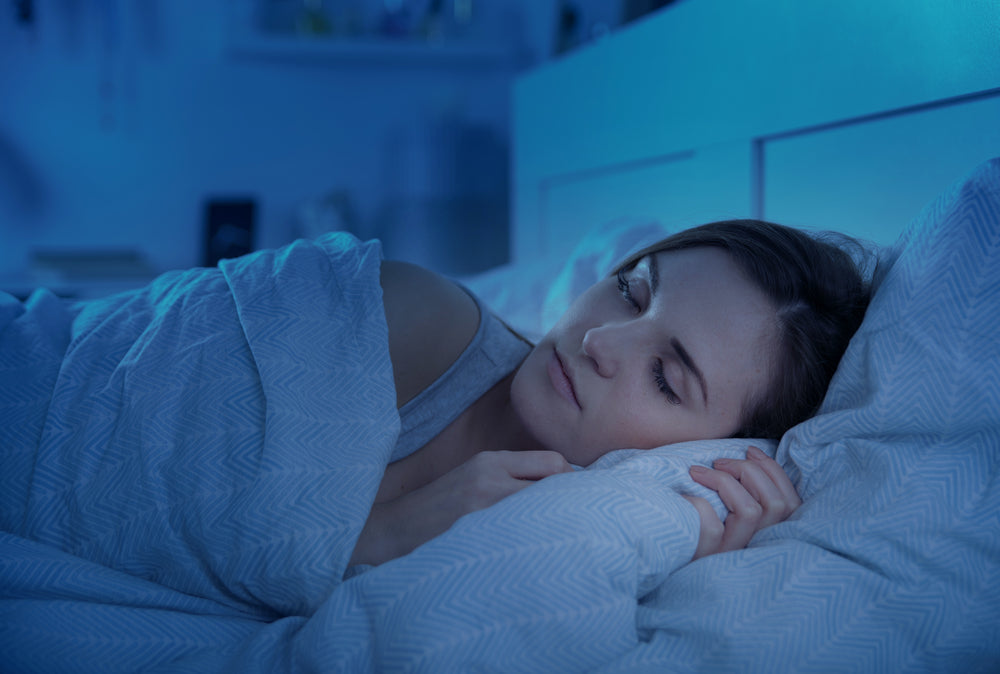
(670, 350)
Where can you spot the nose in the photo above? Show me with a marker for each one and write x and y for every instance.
(602, 346)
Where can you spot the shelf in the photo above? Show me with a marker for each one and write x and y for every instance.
(80, 289)
(370, 50)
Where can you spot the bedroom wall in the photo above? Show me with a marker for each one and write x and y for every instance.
(119, 119)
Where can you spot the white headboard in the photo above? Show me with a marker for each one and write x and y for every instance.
(845, 115)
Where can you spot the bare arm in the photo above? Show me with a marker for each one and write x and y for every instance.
(431, 321)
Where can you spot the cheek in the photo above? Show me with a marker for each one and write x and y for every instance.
(632, 420)
(646, 421)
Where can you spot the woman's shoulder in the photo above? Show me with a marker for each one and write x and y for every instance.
(431, 321)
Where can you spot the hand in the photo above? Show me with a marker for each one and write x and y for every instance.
(396, 527)
(757, 493)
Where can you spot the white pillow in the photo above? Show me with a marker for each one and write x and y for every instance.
(905, 452)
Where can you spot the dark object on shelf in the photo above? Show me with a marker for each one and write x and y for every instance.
(567, 28)
(229, 229)
(24, 10)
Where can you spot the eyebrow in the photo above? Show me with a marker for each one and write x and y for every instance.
(682, 353)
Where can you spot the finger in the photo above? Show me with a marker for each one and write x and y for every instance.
(710, 528)
(534, 465)
(744, 511)
(753, 478)
(777, 474)
(483, 480)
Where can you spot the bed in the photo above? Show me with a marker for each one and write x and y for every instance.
(189, 555)
(180, 558)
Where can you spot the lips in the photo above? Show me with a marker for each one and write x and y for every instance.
(560, 379)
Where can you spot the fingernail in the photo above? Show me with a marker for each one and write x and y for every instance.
(755, 453)
(699, 470)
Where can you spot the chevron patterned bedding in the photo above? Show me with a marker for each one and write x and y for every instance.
(179, 558)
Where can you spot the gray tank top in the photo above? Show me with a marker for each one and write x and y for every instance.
(492, 354)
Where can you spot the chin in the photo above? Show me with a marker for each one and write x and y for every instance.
(538, 420)
(544, 414)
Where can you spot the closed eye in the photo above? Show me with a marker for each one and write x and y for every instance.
(661, 383)
(626, 291)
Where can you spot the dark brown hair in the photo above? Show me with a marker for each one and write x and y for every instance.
(818, 285)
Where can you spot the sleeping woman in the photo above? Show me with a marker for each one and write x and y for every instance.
(731, 329)
(247, 434)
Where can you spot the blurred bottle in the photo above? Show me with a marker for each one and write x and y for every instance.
(567, 28)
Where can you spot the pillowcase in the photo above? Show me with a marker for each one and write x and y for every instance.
(900, 470)
(925, 363)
